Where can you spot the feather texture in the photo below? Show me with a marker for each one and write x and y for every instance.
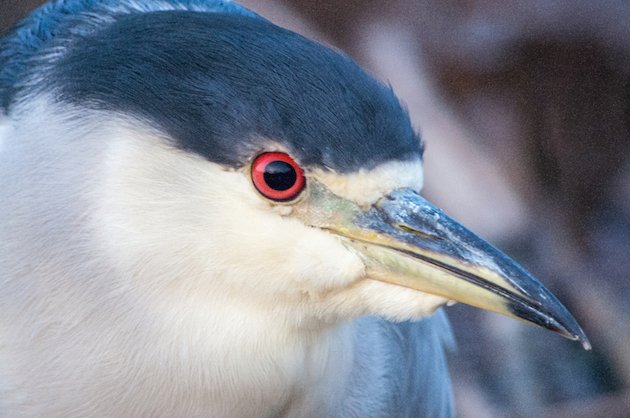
(400, 369)
(34, 35)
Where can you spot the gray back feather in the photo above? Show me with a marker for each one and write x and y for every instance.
(400, 369)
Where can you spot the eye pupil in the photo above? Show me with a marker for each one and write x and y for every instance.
(280, 175)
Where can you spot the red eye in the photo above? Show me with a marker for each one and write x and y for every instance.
(277, 176)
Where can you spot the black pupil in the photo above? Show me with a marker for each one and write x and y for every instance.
(280, 175)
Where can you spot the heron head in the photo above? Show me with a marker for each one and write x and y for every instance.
(240, 164)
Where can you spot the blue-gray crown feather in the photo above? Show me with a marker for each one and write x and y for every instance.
(211, 75)
(34, 35)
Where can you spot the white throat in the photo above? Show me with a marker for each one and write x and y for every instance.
(250, 364)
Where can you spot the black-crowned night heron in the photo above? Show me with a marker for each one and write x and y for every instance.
(203, 214)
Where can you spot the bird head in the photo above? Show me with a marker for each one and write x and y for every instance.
(221, 163)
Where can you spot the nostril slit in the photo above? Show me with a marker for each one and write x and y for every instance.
(410, 230)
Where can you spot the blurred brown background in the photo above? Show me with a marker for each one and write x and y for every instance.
(525, 109)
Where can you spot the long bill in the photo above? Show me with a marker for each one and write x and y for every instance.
(407, 241)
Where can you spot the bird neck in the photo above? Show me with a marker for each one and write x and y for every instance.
(255, 364)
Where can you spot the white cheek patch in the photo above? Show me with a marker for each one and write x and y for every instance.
(175, 212)
(365, 187)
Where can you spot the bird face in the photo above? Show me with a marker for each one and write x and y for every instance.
(315, 245)
(257, 234)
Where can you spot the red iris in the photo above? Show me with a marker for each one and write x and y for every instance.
(277, 176)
